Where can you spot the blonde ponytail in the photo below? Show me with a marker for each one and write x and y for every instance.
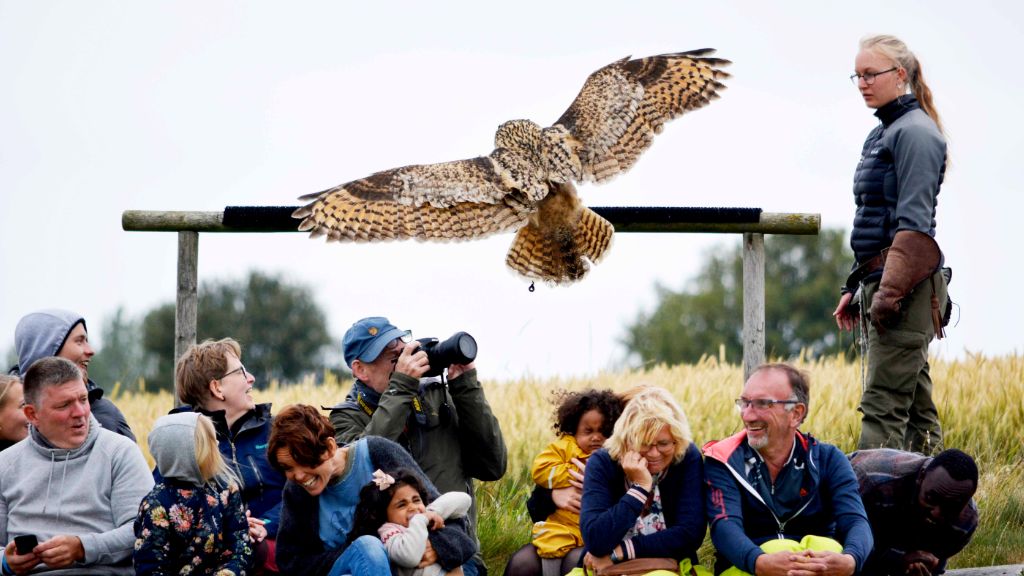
(896, 50)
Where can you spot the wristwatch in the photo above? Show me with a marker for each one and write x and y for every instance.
(615, 557)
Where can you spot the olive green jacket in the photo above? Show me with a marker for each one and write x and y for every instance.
(450, 430)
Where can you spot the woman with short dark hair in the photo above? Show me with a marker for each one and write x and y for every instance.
(322, 492)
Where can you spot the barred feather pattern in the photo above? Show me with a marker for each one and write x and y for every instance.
(525, 183)
(408, 202)
(623, 105)
(561, 241)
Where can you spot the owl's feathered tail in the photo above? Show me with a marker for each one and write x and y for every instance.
(562, 239)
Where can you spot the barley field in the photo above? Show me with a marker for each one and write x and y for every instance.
(980, 399)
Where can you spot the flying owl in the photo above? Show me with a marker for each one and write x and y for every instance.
(526, 183)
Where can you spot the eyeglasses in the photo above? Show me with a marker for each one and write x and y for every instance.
(399, 342)
(869, 77)
(762, 403)
(661, 445)
(240, 368)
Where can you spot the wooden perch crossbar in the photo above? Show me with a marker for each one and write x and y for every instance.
(751, 222)
(646, 219)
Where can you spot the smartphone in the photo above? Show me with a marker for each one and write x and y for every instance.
(26, 543)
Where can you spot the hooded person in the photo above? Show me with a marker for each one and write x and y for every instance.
(195, 516)
(63, 333)
(72, 484)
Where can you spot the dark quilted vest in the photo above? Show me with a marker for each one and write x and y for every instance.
(874, 187)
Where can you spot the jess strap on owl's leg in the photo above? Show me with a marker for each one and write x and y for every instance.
(913, 257)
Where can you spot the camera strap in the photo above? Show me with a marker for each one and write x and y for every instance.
(417, 405)
(364, 405)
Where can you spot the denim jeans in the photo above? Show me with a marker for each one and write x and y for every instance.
(364, 557)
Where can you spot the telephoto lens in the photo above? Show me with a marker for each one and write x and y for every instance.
(459, 349)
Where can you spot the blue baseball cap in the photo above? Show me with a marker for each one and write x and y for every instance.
(368, 337)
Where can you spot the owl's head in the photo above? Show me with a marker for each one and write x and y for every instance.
(520, 135)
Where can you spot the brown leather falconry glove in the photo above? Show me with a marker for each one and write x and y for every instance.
(912, 257)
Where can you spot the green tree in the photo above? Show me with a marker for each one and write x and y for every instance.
(158, 342)
(121, 358)
(10, 359)
(279, 325)
(802, 279)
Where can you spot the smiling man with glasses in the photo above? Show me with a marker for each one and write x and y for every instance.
(778, 500)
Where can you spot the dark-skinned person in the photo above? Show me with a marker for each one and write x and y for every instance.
(921, 508)
(583, 421)
(545, 501)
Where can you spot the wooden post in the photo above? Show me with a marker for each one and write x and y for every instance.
(189, 224)
(187, 304)
(753, 302)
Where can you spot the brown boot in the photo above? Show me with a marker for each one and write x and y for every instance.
(912, 257)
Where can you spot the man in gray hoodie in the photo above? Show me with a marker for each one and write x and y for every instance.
(63, 333)
(72, 485)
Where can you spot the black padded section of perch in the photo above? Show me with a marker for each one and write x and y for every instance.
(279, 218)
(674, 214)
(260, 217)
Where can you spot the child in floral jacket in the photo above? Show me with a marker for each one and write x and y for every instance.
(194, 521)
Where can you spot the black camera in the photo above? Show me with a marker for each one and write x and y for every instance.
(459, 349)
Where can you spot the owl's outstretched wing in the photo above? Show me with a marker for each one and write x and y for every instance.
(451, 200)
(623, 105)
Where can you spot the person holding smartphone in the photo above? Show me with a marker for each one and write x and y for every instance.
(70, 492)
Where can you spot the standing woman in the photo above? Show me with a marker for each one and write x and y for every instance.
(897, 284)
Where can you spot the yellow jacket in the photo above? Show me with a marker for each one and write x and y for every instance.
(560, 533)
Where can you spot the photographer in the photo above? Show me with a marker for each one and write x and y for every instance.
(443, 421)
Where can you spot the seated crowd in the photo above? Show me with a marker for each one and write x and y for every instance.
(383, 481)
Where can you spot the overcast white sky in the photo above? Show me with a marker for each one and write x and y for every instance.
(194, 105)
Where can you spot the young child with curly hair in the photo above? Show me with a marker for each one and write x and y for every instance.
(395, 508)
(192, 522)
(583, 420)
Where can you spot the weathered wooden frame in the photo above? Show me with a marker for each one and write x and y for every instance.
(188, 225)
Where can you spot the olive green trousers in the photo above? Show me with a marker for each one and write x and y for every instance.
(897, 407)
